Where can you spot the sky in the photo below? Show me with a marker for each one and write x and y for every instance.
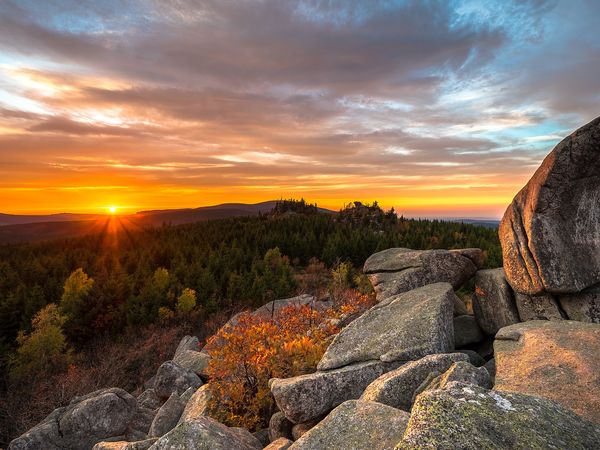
(437, 108)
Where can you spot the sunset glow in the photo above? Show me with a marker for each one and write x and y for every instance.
(439, 109)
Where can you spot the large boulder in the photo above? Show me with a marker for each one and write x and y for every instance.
(89, 419)
(550, 233)
(472, 418)
(357, 425)
(539, 307)
(171, 377)
(401, 328)
(556, 360)
(167, 416)
(198, 405)
(307, 397)
(205, 433)
(397, 270)
(187, 343)
(193, 361)
(584, 306)
(396, 388)
(493, 304)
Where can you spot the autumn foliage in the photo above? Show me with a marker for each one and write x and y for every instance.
(245, 355)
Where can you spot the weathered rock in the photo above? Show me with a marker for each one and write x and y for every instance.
(272, 309)
(474, 254)
(187, 343)
(540, 307)
(493, 305)
(246, 437)
(140, 425)
(397, 270)
(198, 405)
(460, 308)
(149, 399)
(584, 306)
(125, 445)
(300, 429)
(171, 377)
(474, 358)
(280, 426)
(466, 331)
(556, 360)
(205, 433)
(465, 373)
(167, 416)
(491, 368)
(396, 388)
(357, 425)
(550, 234)
(196, 362)
(472, 418)
(262, 436)
(279, 444)
(86, 421)
(307, 397)
(402, 328)
(187, 395)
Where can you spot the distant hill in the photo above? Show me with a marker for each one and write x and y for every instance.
(28, 228)
(489, 223)
(12, 219)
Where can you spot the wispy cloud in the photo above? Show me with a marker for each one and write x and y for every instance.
(195, 102)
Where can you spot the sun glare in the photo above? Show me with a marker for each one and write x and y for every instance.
(112, 209)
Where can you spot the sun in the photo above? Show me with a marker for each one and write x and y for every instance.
(112, 209)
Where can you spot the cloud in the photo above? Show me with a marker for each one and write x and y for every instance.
(337, 99)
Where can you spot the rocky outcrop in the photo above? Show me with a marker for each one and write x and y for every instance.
(540, 307)
(493, 304)
(171, 377)
(396, 388)
(307, 397)
(89, 419)
(472, 418)
(401, 328)
(550, 234)
(465, 373)
(397, 270)
(466, 331)
(357, 425)
(198, 405)
(187, 343)
(196, 362)
(583, 306)
(556, 360)
(167, 416)
(149, 399)
(205, 433)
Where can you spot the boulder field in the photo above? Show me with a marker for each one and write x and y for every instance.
(417, 370)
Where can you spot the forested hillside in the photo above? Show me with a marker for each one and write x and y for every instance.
(127, 279)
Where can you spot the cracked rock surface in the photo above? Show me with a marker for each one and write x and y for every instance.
(550, 233)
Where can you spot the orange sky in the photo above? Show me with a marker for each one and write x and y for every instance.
(422, 106)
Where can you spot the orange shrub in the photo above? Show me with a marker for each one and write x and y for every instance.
(253, 350)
